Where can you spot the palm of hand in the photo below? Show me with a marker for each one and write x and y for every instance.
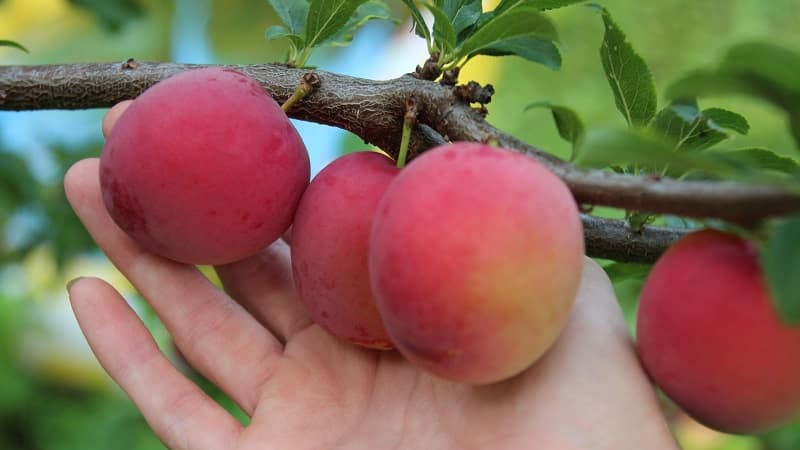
(304, 389)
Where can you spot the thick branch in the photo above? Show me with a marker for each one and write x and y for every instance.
(374, 111)
(614, 239)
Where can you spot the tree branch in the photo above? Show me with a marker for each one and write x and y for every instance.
(614, 239)
(374, 111)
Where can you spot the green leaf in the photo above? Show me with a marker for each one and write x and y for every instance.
(756, 69)
(569, 124)
(541, 5)
(293, 14)
(729, 120)
(420, 27)
(326, 18)
(751, 159)
(780, 258)
(675, 122)
(794, 126)
(5, 43)
(780, 66)
(545, 5)
(620, 272)
(444, 36)
(462, 13)
(279, 31)
(610, 146)
(699, 83)
(371, 10)
(505, 5)
(534, 49)
(686, 128)
(295, 41)
(515, 23)
(628, 75)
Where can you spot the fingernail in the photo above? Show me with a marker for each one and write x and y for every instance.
(71, 282)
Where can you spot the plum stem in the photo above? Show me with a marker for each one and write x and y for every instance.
(308, 84)
(409, 120)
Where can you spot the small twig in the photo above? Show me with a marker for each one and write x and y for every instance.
(130, 64)
(308, 84)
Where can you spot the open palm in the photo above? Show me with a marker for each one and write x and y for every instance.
(304, 389)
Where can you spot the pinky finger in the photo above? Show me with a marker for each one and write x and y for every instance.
(182, 415)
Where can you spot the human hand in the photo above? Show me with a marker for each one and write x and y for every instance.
(304, 389)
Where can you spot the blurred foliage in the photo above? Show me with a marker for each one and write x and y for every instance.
(673, 37)
(42, 410)
(51, 219)
(111, 13)
(236, 30)
(42, 413)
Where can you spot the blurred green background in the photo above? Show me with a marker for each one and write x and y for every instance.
(53, 395)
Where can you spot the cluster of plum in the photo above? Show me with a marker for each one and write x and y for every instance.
(466, 261)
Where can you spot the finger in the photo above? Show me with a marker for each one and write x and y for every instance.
(596, 298)
(596, 346)
(263, 284)
(215, 334)
(113, 115)
(178, 411)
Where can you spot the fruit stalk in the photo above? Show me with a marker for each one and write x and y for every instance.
(409, 120)
(308, 84)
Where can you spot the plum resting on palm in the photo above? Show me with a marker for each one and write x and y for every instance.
(475, 258)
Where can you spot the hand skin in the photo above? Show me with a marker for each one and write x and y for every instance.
(303, 389)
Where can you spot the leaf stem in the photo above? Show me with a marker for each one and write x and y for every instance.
(308, 84)
(409, 120)
(7, 43)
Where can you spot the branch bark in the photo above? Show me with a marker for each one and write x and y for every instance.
(374, 111)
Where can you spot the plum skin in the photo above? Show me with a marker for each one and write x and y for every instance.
(709, 337)
(204, 168)
(475, 259)
(330, 235)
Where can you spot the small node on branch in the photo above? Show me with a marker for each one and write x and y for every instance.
(411, 111)
(492, 140)
(473, 92)
(430, 69)
(308, 84)
(450, 77)
(130, 64)
(312, 82)
(481, 110)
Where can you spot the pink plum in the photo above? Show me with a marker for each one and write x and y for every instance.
(475, 259)
(329, 247)
(204, 168)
